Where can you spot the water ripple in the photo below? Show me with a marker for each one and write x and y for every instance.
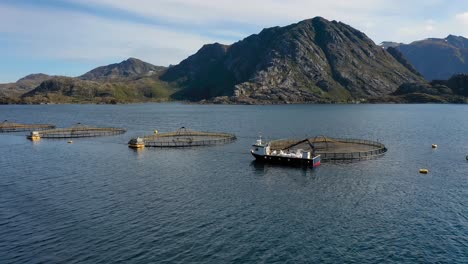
(96, 201)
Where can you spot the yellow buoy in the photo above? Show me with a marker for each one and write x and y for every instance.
(156, 131)
(434, 145)
(423, 171)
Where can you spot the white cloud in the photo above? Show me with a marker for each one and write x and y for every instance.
(398, 20)
(54, 34)
(462, 18)
(166, 31)
(202, 11)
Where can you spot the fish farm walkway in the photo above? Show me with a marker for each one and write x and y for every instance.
(7, 126)
(334, 148)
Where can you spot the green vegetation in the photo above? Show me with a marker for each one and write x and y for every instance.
(127, 82)
(72, 90)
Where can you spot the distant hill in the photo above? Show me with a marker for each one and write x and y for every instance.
(126, 69)
(23, 85)
(132, 80)
(315, 60)
(453, 90)
(438, 59)
(75, 90)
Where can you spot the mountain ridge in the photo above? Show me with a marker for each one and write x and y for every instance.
(437, 58)
(312, 61)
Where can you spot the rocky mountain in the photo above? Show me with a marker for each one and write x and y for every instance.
(315, 60)
(438, 59)
(130, 68)
(23, 85)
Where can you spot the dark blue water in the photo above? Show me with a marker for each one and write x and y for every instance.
(97, 201)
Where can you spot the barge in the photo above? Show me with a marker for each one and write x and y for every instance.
(263, 153)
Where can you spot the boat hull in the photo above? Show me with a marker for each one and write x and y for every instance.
(314, 162)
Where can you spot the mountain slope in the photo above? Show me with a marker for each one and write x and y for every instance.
(438, 58)
(314, 60)
(402, 59)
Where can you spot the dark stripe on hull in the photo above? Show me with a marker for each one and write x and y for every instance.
(288, 161)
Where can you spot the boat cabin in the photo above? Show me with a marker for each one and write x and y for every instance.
(260, 148)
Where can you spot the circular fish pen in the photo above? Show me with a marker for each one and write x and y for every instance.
(183, 137)
(77, 131)
(7, 126)
(333, 148)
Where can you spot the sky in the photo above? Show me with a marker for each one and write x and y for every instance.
(71, 37)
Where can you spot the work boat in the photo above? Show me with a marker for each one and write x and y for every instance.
(263, 153)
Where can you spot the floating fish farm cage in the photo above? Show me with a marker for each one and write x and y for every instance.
(333, 148)
(7, 126)
(183, 137)
(77, 131)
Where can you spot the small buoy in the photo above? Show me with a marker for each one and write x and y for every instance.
(70, 141)
(434, 145)
(423, 171)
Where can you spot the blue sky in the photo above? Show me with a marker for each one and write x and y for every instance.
(70, 37)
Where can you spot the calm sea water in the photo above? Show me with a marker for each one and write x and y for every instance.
(97, 201)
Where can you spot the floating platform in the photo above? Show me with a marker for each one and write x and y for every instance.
(77, 131)
(7, 126)
(183, 137)
(332, 148)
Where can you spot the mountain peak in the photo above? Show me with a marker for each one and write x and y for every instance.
(34, 77)
(129, 68)
(457, 41)
(450, 36)
(214, 49)
(133, 60)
